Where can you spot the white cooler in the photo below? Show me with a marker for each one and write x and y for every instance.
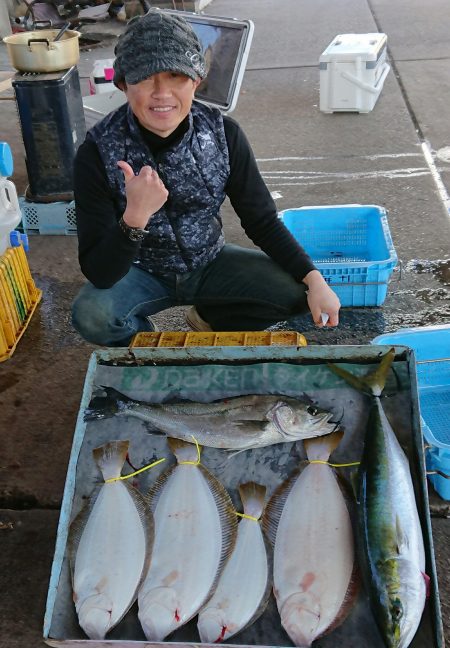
(352, 72)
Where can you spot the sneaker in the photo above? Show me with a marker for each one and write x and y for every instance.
(194, 320)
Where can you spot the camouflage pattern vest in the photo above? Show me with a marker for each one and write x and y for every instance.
(186, 233)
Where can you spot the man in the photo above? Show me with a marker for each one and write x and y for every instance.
(149, 181)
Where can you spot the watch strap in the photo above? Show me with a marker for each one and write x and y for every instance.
(133, 233)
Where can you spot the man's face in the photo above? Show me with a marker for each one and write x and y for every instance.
(161, 102)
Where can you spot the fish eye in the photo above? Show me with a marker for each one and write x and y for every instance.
(312, 410)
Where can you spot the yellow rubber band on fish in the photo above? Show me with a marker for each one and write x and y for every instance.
(113, 479)
(333, 465)
(247, 517)
(193, 463)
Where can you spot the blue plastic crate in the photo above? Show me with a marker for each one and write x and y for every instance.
(48, 218)
(352, 247)
(431, 346)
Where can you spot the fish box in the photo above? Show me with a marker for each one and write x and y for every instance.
(353, 69)
(204, 374)
(431, 345)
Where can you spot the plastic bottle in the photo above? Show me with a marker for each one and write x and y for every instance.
(10, 214)
(101, 79)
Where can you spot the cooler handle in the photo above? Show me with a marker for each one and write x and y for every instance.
(365, 86)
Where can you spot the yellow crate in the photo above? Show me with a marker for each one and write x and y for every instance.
(18, 299)
(220, 338)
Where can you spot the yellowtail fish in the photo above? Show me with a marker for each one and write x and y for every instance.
(110, 544)
(308, 521)
(244, 587)
(392, 554)
(195, 531)
(237, 423)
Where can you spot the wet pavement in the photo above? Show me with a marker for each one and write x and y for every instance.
(308, 158)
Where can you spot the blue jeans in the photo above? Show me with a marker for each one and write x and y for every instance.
(240, 290)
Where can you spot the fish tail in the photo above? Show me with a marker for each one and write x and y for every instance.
(106, 406)
(183, 450)
(252, 496)
(111, 457)
(374, 381)
(320, 448)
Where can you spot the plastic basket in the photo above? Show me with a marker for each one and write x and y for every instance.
(48, 218)
(222, 338)
(431, 346)
(350, 245)
(18, 299)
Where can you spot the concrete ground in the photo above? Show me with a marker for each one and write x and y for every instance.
(396, 156)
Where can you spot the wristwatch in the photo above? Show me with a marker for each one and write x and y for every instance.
(133, 233)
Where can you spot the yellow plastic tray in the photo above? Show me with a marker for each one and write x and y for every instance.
(18, 299)
(221, 338)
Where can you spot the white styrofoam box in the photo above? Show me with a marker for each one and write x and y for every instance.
(353, 69)
(98, 105)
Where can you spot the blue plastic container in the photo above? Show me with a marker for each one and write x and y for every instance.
(48, 218)
(431, 346)
(352, 247)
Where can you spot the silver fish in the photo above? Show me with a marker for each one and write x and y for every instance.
(110, 544)
(237, 423)
(195, 531)
(243, 590)
(392, 553)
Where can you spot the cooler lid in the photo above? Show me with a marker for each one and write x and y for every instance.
(346, 47)
(226, 44)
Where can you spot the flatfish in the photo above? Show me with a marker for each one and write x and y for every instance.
(110, 544)
(244, 587)
(195, 531)
(308, 521)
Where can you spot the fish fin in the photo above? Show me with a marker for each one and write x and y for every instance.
(231, 453)
(228, 521)
(274, 507)
(427, 580)
(374, 381)
(320, 448)
(402, 539)
(110, 458)
(103, 406)
(78, 525)
(252, 496)
(354, 485)
(183, 450)
(348, 603)
(155, 490)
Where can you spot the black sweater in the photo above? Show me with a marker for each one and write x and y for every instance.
(106, 254)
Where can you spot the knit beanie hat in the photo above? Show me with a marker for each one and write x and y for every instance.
(157, 42)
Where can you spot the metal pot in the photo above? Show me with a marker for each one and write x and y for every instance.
(38, 52)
